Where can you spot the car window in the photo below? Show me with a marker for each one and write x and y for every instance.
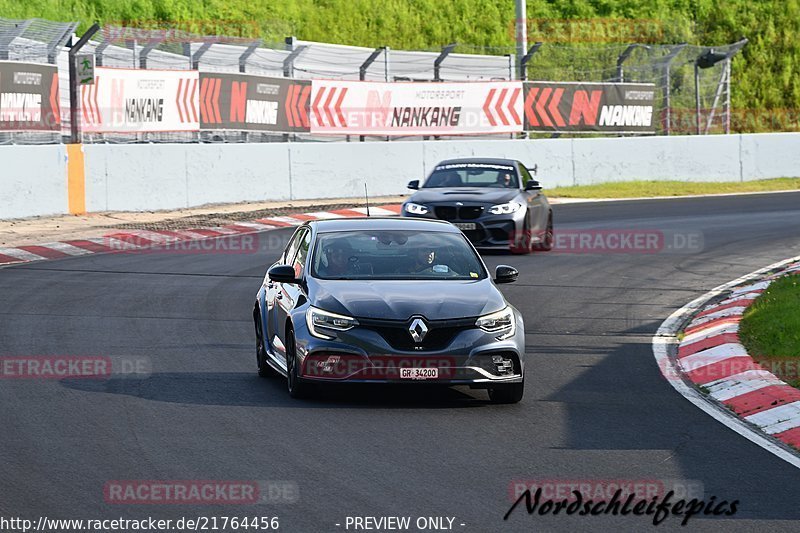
(472, 175)
(299, 262)
(526, 176)
(395, 254)
(291, 248)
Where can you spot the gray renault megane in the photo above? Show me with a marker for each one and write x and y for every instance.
(389, 301)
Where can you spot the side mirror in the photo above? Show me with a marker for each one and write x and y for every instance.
(505, 274)
(533, 185)
(414, 184)
(282, 274)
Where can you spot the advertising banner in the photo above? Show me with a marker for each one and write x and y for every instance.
(589, 107)
(29, 97)
(138, 101)
(415, 108)
(248, 102)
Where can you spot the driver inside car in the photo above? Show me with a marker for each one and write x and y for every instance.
(337, 256)
(505, 180)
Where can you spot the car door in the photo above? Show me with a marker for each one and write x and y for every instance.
(274, 297)
(537, 206)
(289, 293)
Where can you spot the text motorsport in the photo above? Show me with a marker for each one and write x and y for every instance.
(659, 506)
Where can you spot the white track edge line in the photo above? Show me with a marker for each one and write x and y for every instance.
(665, 336)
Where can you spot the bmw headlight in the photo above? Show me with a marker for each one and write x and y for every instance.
(505, 209)
(416, 209)
(318, 321)
(502, 321)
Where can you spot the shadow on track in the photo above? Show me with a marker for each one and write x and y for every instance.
(247, 390)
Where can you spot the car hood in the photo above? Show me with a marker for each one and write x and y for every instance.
(464, 194)
(399, 300)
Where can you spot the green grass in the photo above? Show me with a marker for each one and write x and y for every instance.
(770, 329)
(646, 189)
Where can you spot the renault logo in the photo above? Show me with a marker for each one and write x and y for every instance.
(418, 329)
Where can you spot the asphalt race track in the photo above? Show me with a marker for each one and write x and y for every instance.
(596, 406)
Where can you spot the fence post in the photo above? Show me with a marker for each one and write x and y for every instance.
(251, 48)
(667, 60)
(199, 53)
(288, 63)
(697, 95)
(437, 63)
(362, 70)
(146, 49)
(624, 56)
(523, 62)
(73, 82)
(520, 33)
(728, 96)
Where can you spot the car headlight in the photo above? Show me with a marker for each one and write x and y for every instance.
(318, 321)
(416, 209)
(502, 321)
(505, 209)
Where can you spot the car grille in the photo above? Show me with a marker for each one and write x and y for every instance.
(470, 212)
(446, 212)
(467, 212)
(440, 332)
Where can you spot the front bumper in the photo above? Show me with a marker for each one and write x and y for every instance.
(491, 231)
(362, 355)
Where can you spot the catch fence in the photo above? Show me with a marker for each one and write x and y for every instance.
(167, 85)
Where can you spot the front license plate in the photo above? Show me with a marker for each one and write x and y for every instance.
(419, 373)
(465, 225)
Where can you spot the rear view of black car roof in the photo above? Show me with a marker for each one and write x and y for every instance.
(477, 161)
(382, 223)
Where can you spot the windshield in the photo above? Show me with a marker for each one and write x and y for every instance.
(473, 175)
(398, 255)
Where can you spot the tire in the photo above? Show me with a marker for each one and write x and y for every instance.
(522, 244)
(547, 243)
(296, 387)
(264, 370)
(507, 393)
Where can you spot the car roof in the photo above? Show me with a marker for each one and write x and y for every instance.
(382, 223)
(479, 160)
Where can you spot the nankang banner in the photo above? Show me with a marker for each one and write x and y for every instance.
(134, 101)
(415, 108)
(589, 107)
(29, 97)
(248, 102)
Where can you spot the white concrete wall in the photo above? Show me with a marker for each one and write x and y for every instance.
(334, 170)
(144, 177)
(33, 180)
(773, 155)
(168, 176)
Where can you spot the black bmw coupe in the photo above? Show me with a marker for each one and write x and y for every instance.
(497, 203)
